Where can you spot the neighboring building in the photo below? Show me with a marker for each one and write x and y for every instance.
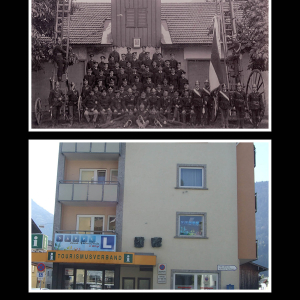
(47, 281)
(249, 276)
(181, 28)
(159, 215)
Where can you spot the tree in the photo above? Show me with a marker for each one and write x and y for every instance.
(42, 33)
(253, 34)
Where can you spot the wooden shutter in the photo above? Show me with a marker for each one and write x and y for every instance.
(130, 17)
(142, 17)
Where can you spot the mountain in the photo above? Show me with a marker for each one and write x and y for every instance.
(262, 223)
(42, 217)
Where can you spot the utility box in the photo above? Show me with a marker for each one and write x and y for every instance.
(39, 241)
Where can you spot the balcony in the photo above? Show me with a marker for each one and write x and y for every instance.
(91, 151)
(73, 192)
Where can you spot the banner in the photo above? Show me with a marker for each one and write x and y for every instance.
(85, 242)
(215, 67)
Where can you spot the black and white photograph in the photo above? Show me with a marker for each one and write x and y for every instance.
(131, 65)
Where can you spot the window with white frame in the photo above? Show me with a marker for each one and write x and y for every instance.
(93, 175)
(90, 223)
(191, 176)
(195, 281)
(111, 223)
(114, 175)
(191, 225)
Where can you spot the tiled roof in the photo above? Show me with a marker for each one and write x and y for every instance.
(86, 24)
(187, 22)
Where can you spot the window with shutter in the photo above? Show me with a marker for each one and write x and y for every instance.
(130, 17)
(142, 17)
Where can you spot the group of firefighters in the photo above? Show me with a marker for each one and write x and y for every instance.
(146, 91)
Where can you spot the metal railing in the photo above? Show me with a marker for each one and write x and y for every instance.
(85, 231)
(91, 183)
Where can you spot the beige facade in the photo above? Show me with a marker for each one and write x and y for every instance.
(151, 202)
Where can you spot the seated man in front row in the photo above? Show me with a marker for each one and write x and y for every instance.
(90, 107)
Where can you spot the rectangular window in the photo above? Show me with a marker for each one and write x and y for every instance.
(130, 17)
(136, 17)
(90, 223)
(191, 176)
(113, 175)
(111, 223)
(191, 225)
(195, 281)
(142, 17)
(93, 175)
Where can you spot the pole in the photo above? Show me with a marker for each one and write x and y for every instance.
(224, 41)
(232, 17)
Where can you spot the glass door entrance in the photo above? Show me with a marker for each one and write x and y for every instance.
(93, 280)
(84, 279)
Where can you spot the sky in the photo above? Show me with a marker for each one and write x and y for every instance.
(43, 158)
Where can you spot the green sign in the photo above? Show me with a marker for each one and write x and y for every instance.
(39, 241)
(128, 258)
(51, 255)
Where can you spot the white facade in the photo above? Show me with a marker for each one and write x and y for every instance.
(152, 205)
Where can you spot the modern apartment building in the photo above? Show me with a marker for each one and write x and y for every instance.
(153, 215)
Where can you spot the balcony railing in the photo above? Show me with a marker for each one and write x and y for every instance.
(108, 232)
(70, 190)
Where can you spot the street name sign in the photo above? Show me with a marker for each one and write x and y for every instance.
(227, 268)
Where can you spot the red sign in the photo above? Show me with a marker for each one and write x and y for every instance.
(41, 267)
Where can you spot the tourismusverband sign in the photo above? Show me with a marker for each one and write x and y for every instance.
(90, 257)
(85, 242)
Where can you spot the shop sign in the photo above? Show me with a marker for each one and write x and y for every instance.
(85, 242)
(88, 257)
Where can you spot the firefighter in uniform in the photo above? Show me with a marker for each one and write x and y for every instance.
(73, 96)
(198, 103)
(239, 101)
(166, 105)
(58, 58)
(116, 105)
(142, 116)
(224, 104)
(256, 105)
(55, 102)
(187, 108)
(90, 106)
(208, 99)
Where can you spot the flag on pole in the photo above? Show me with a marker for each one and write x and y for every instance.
(215, 67)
